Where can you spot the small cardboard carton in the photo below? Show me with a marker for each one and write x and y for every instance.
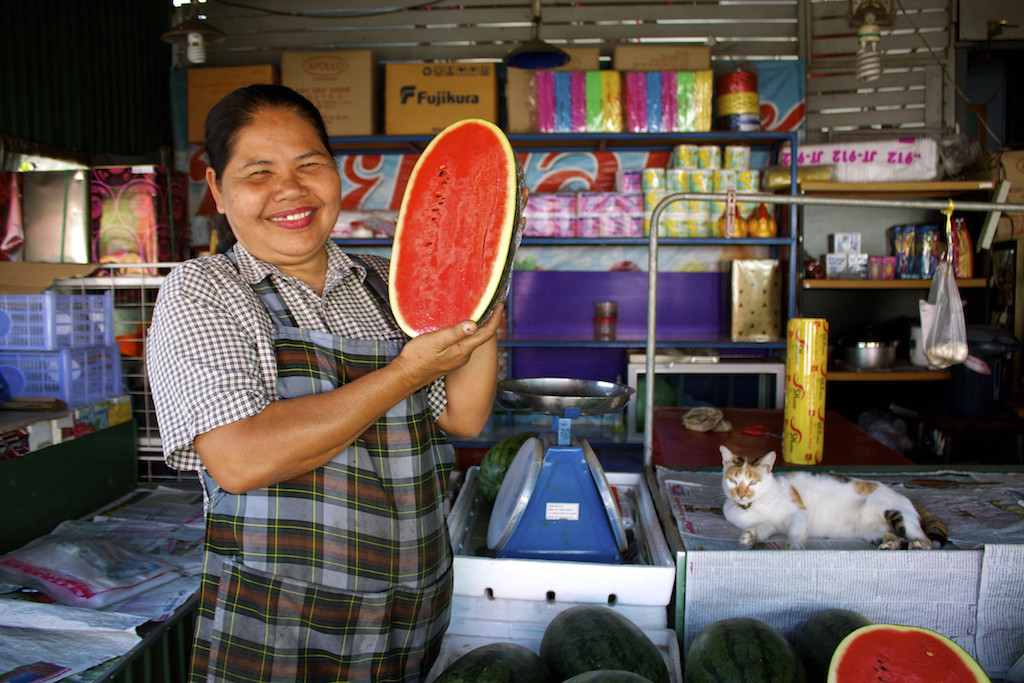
(207, 85)
(521, 92)
(1011, 225)
(667, 57)
(424, 98)
(341, 83)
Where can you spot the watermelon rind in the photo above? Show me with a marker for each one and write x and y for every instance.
(499, 662)
(608, 676)
(586, 638)
(497, 460)
(892, 653)
(742, 650)
(411, 303)
(819, 636)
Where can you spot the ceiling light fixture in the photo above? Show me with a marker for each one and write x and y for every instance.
(869, 16)
(535, 53)
(196, 33)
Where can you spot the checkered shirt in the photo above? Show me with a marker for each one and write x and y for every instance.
(210, 350)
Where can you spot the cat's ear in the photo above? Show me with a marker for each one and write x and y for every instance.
(727, 456)
(767, 461)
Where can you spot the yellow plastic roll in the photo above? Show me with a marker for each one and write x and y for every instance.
(737, 103)
(803, 431)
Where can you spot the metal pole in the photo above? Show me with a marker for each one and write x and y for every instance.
(757, 198)
(760, 197)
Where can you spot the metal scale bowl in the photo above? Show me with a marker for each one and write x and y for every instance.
(554, 502)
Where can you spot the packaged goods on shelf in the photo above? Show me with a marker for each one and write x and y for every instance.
(139, 215)
(609, 214)
(207, 85)
(341, 83)
(844, 242)
(55, 216)
(756, 300)
(49, 321)
(550, 215)
(880, 161)
(521, 88)
(579, 101)
(917, 249)
(424, 98)
(667, 101)
(74, 376)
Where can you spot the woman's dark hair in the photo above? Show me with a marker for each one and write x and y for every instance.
(237, 110)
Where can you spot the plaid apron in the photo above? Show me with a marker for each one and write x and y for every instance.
(341, 574)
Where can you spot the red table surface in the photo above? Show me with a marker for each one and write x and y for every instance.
(846, 444)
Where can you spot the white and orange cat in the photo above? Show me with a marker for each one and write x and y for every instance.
(805, 505)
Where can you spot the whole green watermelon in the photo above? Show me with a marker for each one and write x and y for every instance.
(586, 638)
(497, 663)
(819, 636)
(742, 650)
(496, 463)
(608, 676)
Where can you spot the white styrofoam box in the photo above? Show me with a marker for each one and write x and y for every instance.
(510, 589)
(455, 645)
(878, 161)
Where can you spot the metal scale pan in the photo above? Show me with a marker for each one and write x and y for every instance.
(555, 502)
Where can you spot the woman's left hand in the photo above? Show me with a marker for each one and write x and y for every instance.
(435, 354)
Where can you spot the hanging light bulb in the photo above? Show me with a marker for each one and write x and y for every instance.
(869, 58)
(196, 33)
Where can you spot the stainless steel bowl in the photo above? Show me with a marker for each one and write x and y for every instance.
(553, 395)
(869, 355)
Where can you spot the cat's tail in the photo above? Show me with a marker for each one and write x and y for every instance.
(934, 528)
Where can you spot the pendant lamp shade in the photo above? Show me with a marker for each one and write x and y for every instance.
(535, 53)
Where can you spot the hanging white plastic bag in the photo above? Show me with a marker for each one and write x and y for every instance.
(943, 328)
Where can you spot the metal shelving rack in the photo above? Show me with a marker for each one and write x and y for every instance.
(134, 288)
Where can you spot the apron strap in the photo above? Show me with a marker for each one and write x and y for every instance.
(377, 287)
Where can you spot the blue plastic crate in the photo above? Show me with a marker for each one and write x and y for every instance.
(50, 321)
(75, 376)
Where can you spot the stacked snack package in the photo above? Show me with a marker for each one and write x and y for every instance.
(697, 169)
(579, 101)
(668, 101)
(550, 215)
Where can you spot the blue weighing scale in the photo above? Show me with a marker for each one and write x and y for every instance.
(554, 502)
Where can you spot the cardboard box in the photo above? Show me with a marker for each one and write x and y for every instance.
(207, 85)
(667, 57)
(423, 98)
(520, 92)
(341, 83)
(1012, 225)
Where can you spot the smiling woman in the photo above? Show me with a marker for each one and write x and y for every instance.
(280, 375)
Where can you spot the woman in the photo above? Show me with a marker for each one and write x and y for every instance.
(278, 373)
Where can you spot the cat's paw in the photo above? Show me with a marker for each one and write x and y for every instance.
(921, 544)
(892, 542)
(747, 539)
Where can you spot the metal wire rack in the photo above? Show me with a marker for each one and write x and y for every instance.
(134, 288)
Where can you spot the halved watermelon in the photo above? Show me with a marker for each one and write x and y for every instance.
(885, 652)
(458, 229)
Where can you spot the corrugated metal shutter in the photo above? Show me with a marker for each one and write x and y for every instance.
(912, 93)
(485, 29)
(85, 76)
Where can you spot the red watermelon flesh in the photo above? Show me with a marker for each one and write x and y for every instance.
(458, 229)
(907, 654)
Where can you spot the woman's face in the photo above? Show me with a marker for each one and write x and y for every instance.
(280, 190)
